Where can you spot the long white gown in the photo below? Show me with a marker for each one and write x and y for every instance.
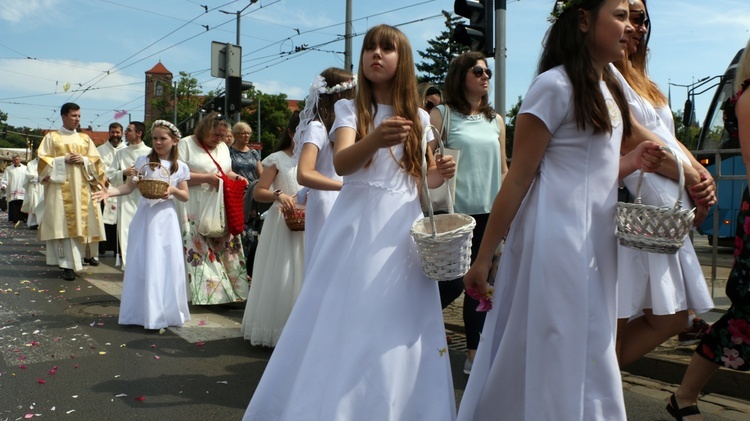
(154, 294)
(319, 202)
(664, 283)
(279, 264)
(548, 346)
(365, 339)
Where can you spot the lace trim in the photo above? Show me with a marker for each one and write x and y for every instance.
(378, 185)
(468, 117)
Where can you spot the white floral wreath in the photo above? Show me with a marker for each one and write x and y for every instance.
(341, 87)
(562, 6)
(168, 125)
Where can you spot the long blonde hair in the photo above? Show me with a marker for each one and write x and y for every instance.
(403, 93)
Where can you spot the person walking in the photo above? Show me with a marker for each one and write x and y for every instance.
(479, 134)
(33, 199)
(315, 151)
(215, 265)
(278, 273)
(12, 183)
(548, 344)
(727, 342)
(109, 207)
(70, 169)
(364, 294)
(119, 171)
(153, 289)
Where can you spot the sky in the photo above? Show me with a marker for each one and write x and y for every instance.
(100, 49)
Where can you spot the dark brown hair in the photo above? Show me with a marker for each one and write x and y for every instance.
(286, 139)
(324, 107)
(565, 45)
(455, 86)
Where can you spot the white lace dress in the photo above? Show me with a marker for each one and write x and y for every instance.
(279, 261)
(366, 338)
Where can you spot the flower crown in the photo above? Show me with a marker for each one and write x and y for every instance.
(562, 6)
(341, 87)
(164, 123)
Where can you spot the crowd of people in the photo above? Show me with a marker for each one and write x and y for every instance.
(356, 325)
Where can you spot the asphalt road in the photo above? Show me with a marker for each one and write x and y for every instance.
(65, 357)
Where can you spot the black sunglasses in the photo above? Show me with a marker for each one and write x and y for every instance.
(638, 18)
(433, 90)
(478, 70)
(428, 106)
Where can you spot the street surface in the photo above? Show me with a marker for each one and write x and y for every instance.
(65, 357)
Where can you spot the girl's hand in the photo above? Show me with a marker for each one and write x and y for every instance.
(701, 212)
(704, 193)
(446, 166)
(286, 203)
(647, 156)
(100, 195)
(167, 194)
(393, 131)
(477, 278)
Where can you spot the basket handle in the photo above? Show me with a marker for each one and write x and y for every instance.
(140, 173)
(678, 202)
(425, 187)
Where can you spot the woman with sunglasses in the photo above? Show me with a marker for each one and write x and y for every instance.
(215, 266)
(429, 96)
(479, 133)
(655, 291)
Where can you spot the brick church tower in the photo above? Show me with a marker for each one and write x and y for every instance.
(156, 80)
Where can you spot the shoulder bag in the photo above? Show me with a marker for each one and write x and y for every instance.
(444, 197)
(234, 199)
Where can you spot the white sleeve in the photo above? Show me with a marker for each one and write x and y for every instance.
(549, 98)
(346, 116)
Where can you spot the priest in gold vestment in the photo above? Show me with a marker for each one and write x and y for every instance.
(69, 167)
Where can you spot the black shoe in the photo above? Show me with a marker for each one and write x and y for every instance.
(34, 227)
(69, 275)
(91, 261)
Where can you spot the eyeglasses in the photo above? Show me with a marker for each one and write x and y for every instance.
(478, 70)
(638, 18)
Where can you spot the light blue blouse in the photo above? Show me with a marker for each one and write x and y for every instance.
(478, 176)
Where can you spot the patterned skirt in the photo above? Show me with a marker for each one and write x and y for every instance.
(727, 343)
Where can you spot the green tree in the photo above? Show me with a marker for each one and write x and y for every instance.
(274, 117)
(437, 57)
(687, 135)
(510, 126)
(190, 97)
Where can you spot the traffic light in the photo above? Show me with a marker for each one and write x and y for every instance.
(478, 34)
(234, 87)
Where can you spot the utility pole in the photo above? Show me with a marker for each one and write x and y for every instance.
(239, 15)
(175, 103)
(348, 37)
(500, 9)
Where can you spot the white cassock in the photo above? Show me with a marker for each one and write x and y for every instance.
(13, 181)
(126, 205)
(33, 201)
(107, 154)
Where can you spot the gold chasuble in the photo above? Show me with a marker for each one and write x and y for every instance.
(70, 211)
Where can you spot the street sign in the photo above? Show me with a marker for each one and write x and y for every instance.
(226, 59)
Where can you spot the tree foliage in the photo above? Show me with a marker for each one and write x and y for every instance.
(510, 126)
(687, 135)
(190, 97)
(437, 57)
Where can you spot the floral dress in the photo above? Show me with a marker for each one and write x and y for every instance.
(727, 343)
(215, 266)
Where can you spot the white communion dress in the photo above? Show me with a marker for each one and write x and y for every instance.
(366, 339)
(154, 293)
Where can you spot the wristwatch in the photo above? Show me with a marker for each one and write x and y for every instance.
(276, 194)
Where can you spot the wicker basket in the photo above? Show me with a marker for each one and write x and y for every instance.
(655, 229)
(152, 188)
(443, 241)
(295, 220)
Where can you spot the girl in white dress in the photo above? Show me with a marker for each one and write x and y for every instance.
(366, 338)
(279, 259)
(655, 291)
(547, 350)
(315, 167)
(153, 291)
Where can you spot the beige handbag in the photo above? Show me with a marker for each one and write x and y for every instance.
(443, 197)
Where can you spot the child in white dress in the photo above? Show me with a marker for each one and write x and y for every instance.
(366, 338)
(153, 290)
(315, 166)
(279, 259)
(547, 350)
